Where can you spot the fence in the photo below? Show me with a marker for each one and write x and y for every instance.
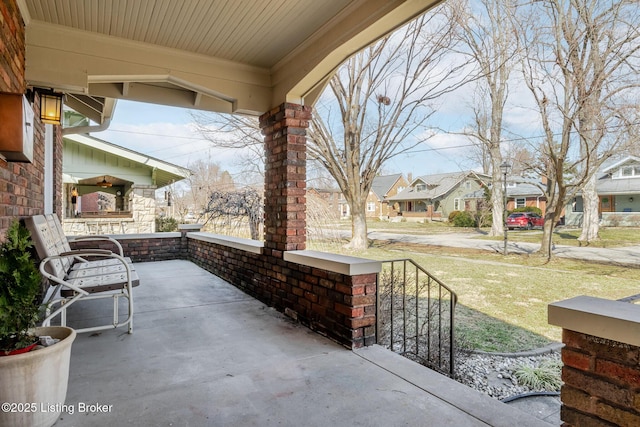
(415, 313)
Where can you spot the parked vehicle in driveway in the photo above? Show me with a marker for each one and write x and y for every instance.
(524, 220)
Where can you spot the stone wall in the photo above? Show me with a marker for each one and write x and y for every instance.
(143, 208)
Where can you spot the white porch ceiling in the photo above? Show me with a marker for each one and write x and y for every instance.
(234, 56)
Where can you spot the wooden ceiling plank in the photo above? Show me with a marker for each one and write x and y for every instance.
(188, 14)
(168, 35)
(219, 29)
(238, 37)
(156, 21)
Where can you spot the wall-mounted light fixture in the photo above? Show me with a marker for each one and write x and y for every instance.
(631, 199)
(50, 107)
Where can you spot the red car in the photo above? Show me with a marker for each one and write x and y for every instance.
(525, 220)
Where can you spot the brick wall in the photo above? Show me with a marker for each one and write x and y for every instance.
(12, 48)
(601, 381)
(155, 247)
(339, 306)
(22, 184)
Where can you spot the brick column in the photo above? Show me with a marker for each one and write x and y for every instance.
(284, 130)
(601, 381)
(601, 357)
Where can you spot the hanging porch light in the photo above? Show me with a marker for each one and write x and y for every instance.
(104, 183)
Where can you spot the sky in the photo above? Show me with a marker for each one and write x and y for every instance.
(169, 134)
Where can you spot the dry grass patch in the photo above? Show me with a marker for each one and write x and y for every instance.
(503, 300)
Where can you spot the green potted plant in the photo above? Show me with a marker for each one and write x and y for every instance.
(37, 377)
(20, 286)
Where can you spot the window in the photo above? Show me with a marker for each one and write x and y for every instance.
(631, 171)
(421, 187)
(521, 202)
(456, 204)
(371, 206)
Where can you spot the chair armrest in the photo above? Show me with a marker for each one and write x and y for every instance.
(100, 238)
(86, 252)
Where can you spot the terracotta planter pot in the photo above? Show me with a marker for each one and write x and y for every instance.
(33, 385)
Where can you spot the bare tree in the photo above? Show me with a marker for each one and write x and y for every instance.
(206, 178)
(382, 96)
(489, 40)
(239, 133)
(235, 207)
(577, 51)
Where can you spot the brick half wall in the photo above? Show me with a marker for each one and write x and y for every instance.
(601, 357)
(339, 306)
(142, 247)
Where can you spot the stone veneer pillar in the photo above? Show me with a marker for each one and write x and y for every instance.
(601, 357)
(143, 208)
(284, 130)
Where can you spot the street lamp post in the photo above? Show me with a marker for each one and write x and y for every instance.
(504, 168)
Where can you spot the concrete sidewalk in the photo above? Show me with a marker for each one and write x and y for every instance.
(205, 354)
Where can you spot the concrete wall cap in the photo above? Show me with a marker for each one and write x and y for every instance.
(343, 264)
(612, 320)
(144, 236)
(249, 245)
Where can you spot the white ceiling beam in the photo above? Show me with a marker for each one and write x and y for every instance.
(73, 60)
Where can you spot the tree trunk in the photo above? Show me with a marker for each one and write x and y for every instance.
(497, 195)
(591, 217)
(551, 217)
(359, 240)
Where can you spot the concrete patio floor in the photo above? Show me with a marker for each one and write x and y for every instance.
(205, 354)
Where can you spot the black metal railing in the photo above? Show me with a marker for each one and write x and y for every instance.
(415, 315)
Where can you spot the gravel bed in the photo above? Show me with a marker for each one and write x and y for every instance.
(494, 375)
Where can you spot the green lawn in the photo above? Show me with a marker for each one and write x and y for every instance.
(503, 300)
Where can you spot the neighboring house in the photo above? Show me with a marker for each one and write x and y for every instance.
(434, 197)
(525, 192)
(618, 187)
(111, 189)
(330, 197)
(377, 206)
(382, 188)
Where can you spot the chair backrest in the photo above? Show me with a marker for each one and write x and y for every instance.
(62, 244)
(46, 243)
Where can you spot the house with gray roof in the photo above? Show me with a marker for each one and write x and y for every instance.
(618, 187)
(433, 197)
(383, 187)
(521, 192)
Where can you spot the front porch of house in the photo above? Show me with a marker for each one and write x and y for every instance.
(205, 353)
(332, 296)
